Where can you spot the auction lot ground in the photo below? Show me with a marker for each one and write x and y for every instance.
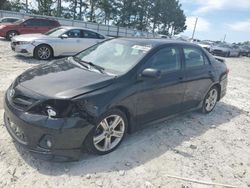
(211, 148)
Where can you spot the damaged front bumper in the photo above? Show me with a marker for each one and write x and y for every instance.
(59, 139)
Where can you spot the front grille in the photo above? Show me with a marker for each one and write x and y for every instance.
(23, 102)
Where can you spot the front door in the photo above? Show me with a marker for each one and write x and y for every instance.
(160, 97)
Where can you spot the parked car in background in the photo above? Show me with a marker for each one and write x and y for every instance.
(31, 25)
(245, 51)
(91, 100)
(8, 20)
(225, 50)
(205, 45)
(61, 41)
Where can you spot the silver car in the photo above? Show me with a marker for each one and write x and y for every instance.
(225, 50)
(61, 41)
(8, 20)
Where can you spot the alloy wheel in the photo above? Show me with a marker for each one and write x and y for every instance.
(211, 99)
(109, 133)
(44, 53)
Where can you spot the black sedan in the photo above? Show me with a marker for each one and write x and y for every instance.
(91, 100)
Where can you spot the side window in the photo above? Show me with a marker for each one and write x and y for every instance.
(100, 36)
(193, 57)
(43, 23)
(74, 33)
(89, 34)
(32, 22)
(166, 59)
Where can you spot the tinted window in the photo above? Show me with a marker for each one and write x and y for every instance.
(90, 34)
(74, 33)
(5, 20)
(31, 22)
(193, 57)
(167, 59)
(45, 23)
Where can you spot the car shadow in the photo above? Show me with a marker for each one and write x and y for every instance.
(142, 146)
(32, 60)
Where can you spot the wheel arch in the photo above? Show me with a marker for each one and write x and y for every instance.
(128, 115)
(218, 86)
(10, 31)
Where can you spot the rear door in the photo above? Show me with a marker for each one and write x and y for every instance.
(44, 25)
(159, 97)
(198, 76)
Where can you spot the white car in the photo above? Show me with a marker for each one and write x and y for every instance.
(61, 41)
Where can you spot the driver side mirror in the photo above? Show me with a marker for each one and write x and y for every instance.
(64, 36)
(150, 73)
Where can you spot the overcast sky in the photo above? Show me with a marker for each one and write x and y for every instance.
(217, 18)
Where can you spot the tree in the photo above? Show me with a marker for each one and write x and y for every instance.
(171, 17)
(5, 5)
(45, 7)
(108, 10)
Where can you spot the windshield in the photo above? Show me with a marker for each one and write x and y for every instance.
(19, 21)
(55, 32)
(116, 56)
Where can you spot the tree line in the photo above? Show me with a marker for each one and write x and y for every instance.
(162, 16)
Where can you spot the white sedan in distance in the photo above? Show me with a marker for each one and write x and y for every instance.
(61, 41)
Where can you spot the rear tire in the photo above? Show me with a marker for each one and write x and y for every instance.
(108, 134)
(210, 100)
(43, 52)
(11, 34)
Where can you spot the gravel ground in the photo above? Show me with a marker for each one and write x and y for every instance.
(213, 148)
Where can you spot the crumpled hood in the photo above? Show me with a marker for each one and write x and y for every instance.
(62, 79)
(30, 37)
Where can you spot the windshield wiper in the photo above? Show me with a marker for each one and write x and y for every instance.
(97, 67)
(78, 60)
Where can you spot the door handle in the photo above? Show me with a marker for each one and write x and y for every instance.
(180, 78)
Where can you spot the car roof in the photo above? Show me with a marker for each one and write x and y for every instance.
(10, 17)
(72, 27)
(43, 18)
(158, 42)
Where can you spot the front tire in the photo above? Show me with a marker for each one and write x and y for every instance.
(43, 52)
(210, 100)
(108, 133)
(11, 34)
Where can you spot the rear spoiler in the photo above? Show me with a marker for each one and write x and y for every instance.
(220, 60)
